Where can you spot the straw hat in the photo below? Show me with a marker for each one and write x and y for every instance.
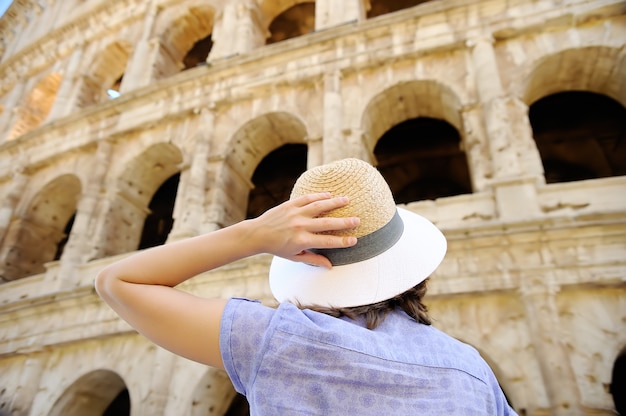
(396, 249)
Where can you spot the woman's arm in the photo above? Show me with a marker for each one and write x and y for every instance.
(141, 289)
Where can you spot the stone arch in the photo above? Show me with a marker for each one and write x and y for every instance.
(275, 176)
(250, 144)
(580, 135)
(380, 7)
(184, 36)
(270, 9)
(37, 106)
(583, 76)
(99, 392)
(259, 136)
(597, 69)
(135, 187)
(105, 73)
(213, 394)
(296, 20)
(414, 131)
(34, 238)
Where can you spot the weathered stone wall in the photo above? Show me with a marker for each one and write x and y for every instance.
(534, 277)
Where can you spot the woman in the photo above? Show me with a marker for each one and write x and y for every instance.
(350, 335)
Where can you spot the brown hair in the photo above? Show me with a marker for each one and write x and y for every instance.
(374, 314)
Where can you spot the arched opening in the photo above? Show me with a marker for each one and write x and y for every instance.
(38, 235)
(296, 21)
(37, 106)
(275, 176)
(618, 382)
(114, 91)
(135, 200)
(104, 78)
(380, 7)
(66, 237)
(421, 158)
(198, 53)
(185, 39)
(239, 406)
(120, 406)
(579, 135)
(100, 392)
(159, 221)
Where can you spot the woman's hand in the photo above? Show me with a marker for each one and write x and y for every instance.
(291, 228)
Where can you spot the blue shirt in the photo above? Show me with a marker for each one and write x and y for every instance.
(288, 361)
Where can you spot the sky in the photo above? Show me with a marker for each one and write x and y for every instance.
(4, 4)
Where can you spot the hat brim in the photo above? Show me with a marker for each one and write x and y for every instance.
(413, 258)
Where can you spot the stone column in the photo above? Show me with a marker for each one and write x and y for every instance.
(496, 119)
(238, 29)
(515, 194)
(81, 243)
(140, 67)
(333, 146)
(7, 206)
(529, 157)
(476, 148)
(228, 196)
(10, 112)
(329, 13)
(315, 152)
(539, 298)
(27, 386)
(191, 195)
(66, 95)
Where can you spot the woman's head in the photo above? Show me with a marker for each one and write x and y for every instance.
(396, 249)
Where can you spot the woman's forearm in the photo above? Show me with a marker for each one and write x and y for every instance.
(172, 264)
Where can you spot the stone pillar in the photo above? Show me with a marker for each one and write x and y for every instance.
(191, 195)
(7, 206)
(155, 394)
(496, 119)
(315, 152)
(514, 193)
(228, 198)
(238, 29)
(81, 243)
(334, 146)
(66, 95)
(140, 67)
(10, 112)
(329, 13)
(27, 386)
(539, 298)
(529, 157)
(476, 148)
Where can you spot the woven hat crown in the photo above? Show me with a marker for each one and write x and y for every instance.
(369, 196)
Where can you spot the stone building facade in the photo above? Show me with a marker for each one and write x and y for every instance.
(130, 123)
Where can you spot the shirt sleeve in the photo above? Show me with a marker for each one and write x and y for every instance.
(244, 333)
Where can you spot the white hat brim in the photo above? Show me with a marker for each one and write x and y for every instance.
(413, 258)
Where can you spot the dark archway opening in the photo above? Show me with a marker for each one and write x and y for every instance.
(198, 53)
(239, 406)
(296, 21)
(159, 222)
(120, 406)
(274, 177)
(421, 158)
(380, 7)
(618, 383)
(66, 236)
(580, 135)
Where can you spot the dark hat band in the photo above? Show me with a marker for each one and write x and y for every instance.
(368, 246)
